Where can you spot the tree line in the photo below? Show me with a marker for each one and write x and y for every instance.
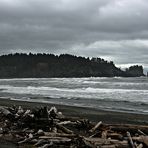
(20, 65)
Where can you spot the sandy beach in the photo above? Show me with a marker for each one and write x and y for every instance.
(83, 112)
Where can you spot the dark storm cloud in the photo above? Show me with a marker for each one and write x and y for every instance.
(114, 29)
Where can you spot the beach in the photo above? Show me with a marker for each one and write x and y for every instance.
(82, 122)
(94, 115)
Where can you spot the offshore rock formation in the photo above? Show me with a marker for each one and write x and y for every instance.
(65, 65)
(135, 71)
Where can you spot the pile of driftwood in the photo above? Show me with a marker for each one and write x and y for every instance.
(46, 127)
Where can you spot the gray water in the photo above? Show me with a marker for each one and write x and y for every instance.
(118, 94)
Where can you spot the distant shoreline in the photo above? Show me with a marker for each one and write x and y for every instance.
(84, 112)
(64, 65)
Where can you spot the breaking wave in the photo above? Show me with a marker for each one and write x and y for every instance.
(126, 94)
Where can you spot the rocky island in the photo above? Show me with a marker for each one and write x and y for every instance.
(21, 65)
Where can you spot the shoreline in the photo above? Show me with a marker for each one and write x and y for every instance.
(95, 115)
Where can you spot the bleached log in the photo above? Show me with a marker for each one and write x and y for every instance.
(47, 145)
(101, 141)
(26, 140)
(108, 146)
(40, 142)
(5, 111)
(89, 144)
(115, 136)
(97, 140)
(141, 132)
(62, 140)
(21, 131)
(52, 112)
(20, 110)
(104, 134)
(91, 136)
(64, 129)
(130, 140)
(28, 111)
(95, 127)
(51, 134)
(143, 139)
(140, 145)
(67, 122)
(127, 127)
(117, 144)
(54, 130)
(53, 108)
(59, 138)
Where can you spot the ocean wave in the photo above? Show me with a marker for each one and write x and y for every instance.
(83, 89)
(55, 79)
(22, 79)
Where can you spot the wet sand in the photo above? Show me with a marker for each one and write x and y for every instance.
(94, 115)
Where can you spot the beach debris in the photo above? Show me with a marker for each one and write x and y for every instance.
(40, 132)
(130, 140)
(46, 127)
(95, 127)
(141, 132)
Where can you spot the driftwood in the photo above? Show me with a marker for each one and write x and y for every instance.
(46, 127)
(95, 127)
(141, 132)
(64, 129)
(101, 141)
(115, 136)
(68, 123)
(104, 134)
(4, 111)
(51, 134)
(47, 145)
(130, 139)
(139, 146)
(143, 139)
(40, 142)
(127, 127)
(55, 139)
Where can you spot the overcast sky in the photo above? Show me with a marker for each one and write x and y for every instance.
(116, 30)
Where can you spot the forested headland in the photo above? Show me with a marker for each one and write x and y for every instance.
(20, 65)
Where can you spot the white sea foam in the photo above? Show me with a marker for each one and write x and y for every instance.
(87, 93)
(9, 88)
(115, 93)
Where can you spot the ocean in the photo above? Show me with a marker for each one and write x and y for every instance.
(115, 94)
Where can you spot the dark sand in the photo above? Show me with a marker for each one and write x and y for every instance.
(89, 113)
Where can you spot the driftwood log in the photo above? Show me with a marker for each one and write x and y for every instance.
(46, 127)
(95, 127)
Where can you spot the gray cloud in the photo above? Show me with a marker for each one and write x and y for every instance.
(114, 29)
